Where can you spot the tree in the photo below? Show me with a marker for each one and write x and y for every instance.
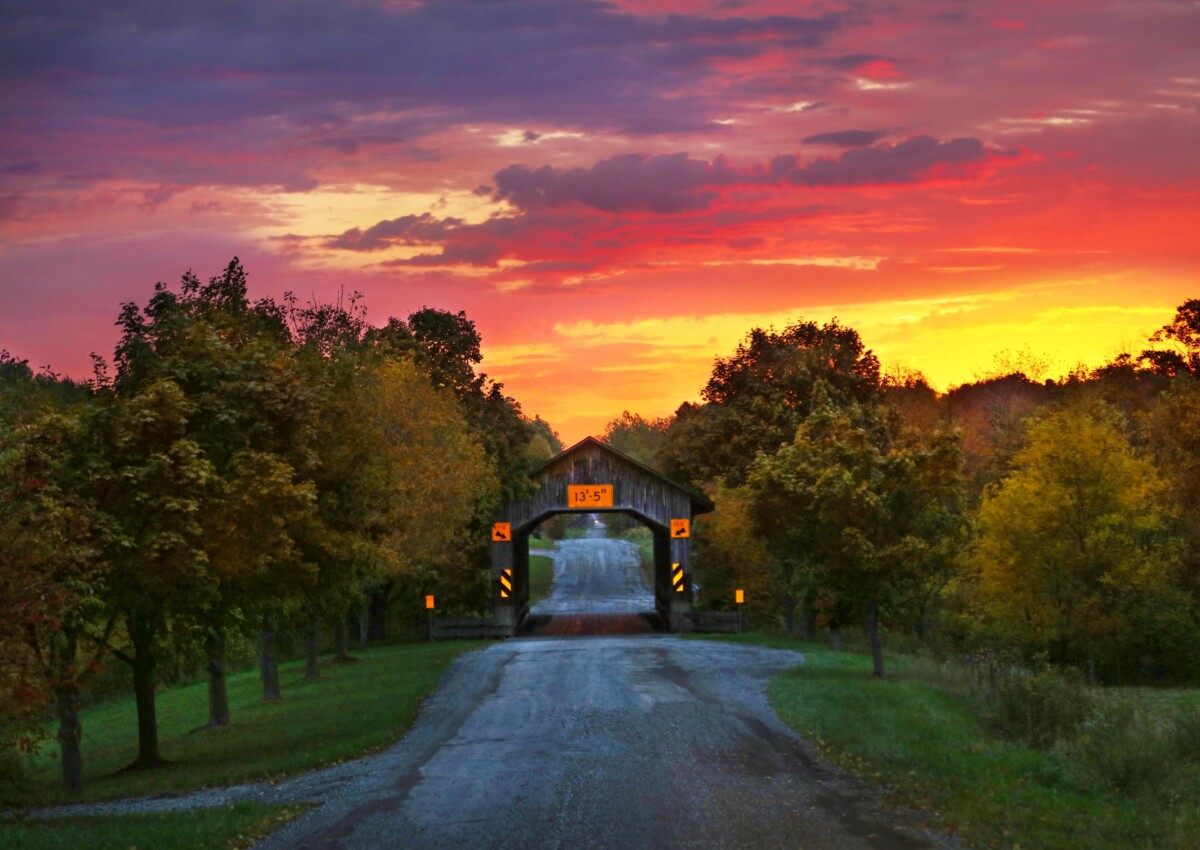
(235, 410)
(51, 632)
(154, 482)
(1074, 546)
(864, 510)
(1183, 333)
(755, 399)
(637, 437)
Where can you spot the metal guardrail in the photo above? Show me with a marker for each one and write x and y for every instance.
(720, 622)
(468, 628)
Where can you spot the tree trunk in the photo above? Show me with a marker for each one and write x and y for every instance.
(342, 640)
(835, 635)
(144, 664)
(379, 609)
(364, 620)
(876, 641)
(810, 622)
(218, 688)
(312, 669)
(70, 733)
(789, 614)
(268, 663)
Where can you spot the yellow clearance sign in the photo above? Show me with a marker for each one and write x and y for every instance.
(584, 496)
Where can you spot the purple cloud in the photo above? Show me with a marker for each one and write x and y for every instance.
(846, 138)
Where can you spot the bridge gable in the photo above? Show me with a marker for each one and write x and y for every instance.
(636, 488)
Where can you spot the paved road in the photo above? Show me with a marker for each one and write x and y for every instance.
(631, 743)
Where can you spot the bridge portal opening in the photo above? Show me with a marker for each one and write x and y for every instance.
(593, 574)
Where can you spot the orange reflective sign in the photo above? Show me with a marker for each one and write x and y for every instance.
(501, 532)
(739, 596)
(681, 528)
(429, 602)
(589, 496)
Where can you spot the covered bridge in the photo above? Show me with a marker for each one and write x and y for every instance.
(593, 477)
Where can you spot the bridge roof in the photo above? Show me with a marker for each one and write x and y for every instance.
(701, 504)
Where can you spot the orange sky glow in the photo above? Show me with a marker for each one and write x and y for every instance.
(615, 192)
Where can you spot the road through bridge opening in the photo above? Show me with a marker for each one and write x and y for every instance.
(592, 478)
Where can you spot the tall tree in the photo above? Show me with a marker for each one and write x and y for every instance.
(866, 508)
(756, 398)
(1183, 335)
(1074, 549)
(640, 438)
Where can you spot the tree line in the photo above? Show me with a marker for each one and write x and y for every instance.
(1042, 519)
(241, 468)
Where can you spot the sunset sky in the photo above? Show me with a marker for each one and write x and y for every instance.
(614, 192)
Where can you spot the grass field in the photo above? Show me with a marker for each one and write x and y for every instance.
(351, 710)
(928, 744)
(237, 826)
(541, 578)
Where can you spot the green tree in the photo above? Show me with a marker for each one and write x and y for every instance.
(241, 414)
(52, 632)
(637, 437)
(755, 399)
(1074, 553)
(861, 510)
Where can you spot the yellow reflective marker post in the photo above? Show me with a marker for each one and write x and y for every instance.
(501, 532)
(429, 603)
(584, 496)
(739, 596)
(429, 618)
(681, 528)
(505, 583)
(677, 577)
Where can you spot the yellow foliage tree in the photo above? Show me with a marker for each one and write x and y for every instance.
(1074, 553)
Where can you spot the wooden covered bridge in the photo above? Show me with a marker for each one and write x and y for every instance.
(592, 477)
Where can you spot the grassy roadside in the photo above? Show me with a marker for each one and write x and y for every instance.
(237, 826)
(541, 578)
(351, 710)
(927, 743)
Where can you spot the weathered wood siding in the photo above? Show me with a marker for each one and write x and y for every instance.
(635, 489)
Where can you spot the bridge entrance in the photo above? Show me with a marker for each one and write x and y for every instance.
(594, 478)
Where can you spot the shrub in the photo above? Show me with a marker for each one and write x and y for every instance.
(1040, 707)
(1123, 748)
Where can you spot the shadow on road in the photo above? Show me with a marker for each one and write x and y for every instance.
(560, 625)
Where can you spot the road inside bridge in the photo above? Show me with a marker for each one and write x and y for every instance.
(597, 742)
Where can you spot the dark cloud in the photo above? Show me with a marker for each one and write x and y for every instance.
(191, 62)
(846, 138)
(671, 183)
(851, 61)
(27, 167)
(424, 229)
(678, 183)
(884, 164)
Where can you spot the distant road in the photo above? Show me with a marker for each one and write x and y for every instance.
(596, 576)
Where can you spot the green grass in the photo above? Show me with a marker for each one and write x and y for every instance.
(541, 578)
(351, 710)
(208, 829)
(539, 543)
(927, 744)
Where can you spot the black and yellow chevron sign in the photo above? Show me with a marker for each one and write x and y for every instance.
(677, 577)
(505, 583)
